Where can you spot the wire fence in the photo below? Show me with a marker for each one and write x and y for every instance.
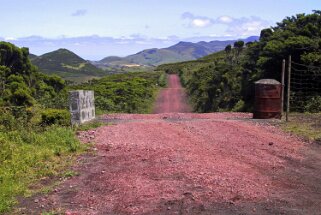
(305, 94)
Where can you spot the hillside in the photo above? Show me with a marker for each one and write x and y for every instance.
(32, 56)
(66, 64)
(182, 51)
(212, 82)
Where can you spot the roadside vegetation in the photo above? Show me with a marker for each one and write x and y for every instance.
(306, 125)
(224, 81)
(125, 93)
(28, 154)
(36, 140)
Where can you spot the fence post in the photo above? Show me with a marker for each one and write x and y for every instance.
(289, 88)
(282, 95)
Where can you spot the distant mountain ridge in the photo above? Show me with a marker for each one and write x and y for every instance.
(182, 51)
(70, 66)
(65, 63)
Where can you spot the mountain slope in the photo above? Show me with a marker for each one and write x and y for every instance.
(32, 56)
(182, 51)
(66, 64)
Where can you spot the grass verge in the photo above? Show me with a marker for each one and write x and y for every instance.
(306, 125)
(26, 156)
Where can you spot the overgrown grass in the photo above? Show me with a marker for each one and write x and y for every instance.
(306, 125)
(91, 125)
(27, 155)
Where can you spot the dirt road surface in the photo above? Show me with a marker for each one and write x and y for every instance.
(173, 98)
(187, 163)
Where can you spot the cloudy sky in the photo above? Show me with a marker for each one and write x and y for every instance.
(98, 28)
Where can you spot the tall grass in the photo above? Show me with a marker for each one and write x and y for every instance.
(27, 155)
(306, 125)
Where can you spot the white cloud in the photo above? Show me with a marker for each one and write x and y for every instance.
(244, 26)
(201, 23)
(81, 12)
(144, 42)
(225, 19)
(10, 39)
(187, 15)
(248, 26)
(122, 42)
(197, 21)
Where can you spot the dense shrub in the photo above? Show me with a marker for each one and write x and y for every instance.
(55, 117)
(127, 93)
(14, 118)
(313, 105)
(21, 84)
(162, 80)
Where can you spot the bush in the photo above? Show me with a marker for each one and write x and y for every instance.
(313, 105)
(11, 115)
(239, 106)
(126, 93)
(55, 117)
(7, 122)
(162, 80)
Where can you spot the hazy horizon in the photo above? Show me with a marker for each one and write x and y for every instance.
(97, 43)
(96, 29)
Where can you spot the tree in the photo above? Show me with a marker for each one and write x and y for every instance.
(20, 81)
(228, 51)
(266, 34)
(298, 36)
(238, 45)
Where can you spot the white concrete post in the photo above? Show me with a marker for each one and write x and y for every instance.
(82, 106)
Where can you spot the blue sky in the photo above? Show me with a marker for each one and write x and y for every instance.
(98, 28)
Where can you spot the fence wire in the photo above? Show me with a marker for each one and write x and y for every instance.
(305, 95)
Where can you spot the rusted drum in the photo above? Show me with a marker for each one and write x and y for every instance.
(267, 99)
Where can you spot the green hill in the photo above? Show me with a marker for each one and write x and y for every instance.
(66, 64)
(154, 57)
(212, 82)
(32, 56)
(182, 51)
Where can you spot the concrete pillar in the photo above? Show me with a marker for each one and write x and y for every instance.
(82, 106)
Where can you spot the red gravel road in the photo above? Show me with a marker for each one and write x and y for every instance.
(184, 163)
(173, 98)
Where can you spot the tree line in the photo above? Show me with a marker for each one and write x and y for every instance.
(224, 81)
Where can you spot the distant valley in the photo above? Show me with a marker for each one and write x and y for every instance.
(182, 51)
(70, 66)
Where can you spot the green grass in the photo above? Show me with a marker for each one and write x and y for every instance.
(91, 125)
(26, 156)
(70, 174)
(77, 67)
(306, 125)
(162, 80)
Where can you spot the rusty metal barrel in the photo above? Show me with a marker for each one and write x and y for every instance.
(267, 99)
